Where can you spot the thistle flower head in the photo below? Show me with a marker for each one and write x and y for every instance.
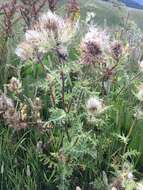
(50, 22)
(116, 50)
(94, 105)
(49, 31)
(99, 36)
(14, 85)
(93, 46)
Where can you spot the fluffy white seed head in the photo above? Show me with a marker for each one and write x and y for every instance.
(94, 105)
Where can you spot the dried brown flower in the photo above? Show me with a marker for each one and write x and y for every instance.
(13, 119)
(117, 49)
(15, 85)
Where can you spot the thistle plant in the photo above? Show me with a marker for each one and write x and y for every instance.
(72, 107)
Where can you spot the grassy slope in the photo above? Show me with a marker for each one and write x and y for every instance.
(112, 14)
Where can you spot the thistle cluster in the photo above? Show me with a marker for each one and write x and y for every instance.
(9, 113)
(96, 47)
(63, 96)
(48, 33)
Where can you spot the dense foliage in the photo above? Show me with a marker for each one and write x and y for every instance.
(70, 102)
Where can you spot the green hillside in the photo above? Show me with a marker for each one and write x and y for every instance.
(111, 13)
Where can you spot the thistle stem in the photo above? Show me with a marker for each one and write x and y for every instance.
(129, 133)
(52, 96)
(63, 88)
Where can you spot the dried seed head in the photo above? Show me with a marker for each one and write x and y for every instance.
(11, 116)
(117, 50)
(50, 22)
(15, 85)
(91, 53)
(94, 105)
(13, 119)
